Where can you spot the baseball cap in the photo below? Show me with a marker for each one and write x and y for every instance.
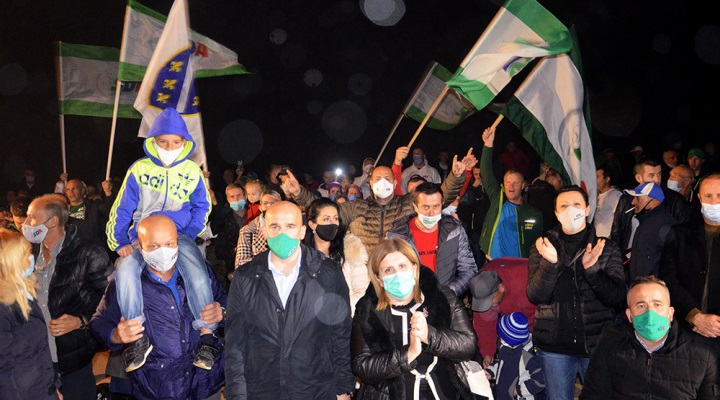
(513, 328)
(483, 286)
(649, 189)
(695, 152)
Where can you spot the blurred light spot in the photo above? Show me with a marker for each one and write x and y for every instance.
(383, 12)
(313, 77)
(662, 43)
(344, 121)
(13, 79)
(240, 140)
(292, 56)
(314, 107)
(331, 309)
(278, 36)
(360, 84)
(707, 44)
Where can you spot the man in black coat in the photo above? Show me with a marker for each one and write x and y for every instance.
(691, 264)
(653, 358)
(72, 277)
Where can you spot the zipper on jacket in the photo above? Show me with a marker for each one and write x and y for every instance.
(166, 190)
(382, 221)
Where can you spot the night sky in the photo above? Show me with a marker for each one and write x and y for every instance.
(327, 83)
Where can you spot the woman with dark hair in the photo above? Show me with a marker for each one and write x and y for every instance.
(27, 368)
(408, 331)
(327, 234)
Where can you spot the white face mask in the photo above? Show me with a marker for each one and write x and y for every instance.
(673, 185)
(383, 189)
(572, 219)
(161, 259)
(429, 221)
(168, 156)
(35, 234)
(449, 210)
(711, 212)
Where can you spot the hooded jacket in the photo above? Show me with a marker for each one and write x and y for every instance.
(296, 351)
(455, 265)
(168, 372)
(380, 364)
(177, 191)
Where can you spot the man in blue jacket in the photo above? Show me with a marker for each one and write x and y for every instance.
(168, 372)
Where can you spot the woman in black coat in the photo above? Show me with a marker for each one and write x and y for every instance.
(408, 332)
(26, 369)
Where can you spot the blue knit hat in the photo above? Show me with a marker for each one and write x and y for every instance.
(513, 328)
(169, 122)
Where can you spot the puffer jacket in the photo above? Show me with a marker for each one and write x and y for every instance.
(355, 268)
(684, 368)
(149, 188)
(168, 372)
(598, 290)
(380, 365)
(26, 370)
(77, 285)
(455, 265)
(296, 351)
(370, 221)
(529, 218)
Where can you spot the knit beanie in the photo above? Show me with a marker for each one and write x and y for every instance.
(513, 328)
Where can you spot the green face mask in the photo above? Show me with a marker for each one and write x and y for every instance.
(283, 245)
(651, 325)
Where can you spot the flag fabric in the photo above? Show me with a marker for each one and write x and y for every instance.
(141, 33)
(521, 31)
(551, 110)
(169, 81)
(450, 112)
(86, 82)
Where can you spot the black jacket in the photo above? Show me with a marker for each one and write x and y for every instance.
(228, 231)
(598, 290)
(686, 367)
(655, 230)
(684, 268)
(77, 285)
(301, 351)
(380, 365)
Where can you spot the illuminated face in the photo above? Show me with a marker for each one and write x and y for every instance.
(266, 201)
(602, 182)
(513, 185)
(429, 205)
(335, 190)
(393, 263)
(649, 296)
(169, 141)
(648, 174)
(710, 191)
(253, 192)
(234, 194)
(75, 192)
(326, 216)
(153, 239)
(354, 191)
(284, 218)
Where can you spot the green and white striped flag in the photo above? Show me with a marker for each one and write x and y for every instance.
(142, 30)
(551, 110)
(87, 79)
(521, 31)
(450, 112)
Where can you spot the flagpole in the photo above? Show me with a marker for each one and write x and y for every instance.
(497, 121)
(429, 114)
(118, 84)
(426, 75)
(58, 72)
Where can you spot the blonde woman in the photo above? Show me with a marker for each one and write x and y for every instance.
(408, 331)
(26, 369)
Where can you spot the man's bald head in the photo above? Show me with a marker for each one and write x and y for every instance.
(284, 217)
(284, 208)
(157, 231)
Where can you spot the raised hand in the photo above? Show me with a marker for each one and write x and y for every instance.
(401, 153)
(546, 249)
(488, 137)
(469, 160)
(592, 254)
(458, 168)
(291, 184)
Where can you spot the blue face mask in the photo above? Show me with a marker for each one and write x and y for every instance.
(31, 268)
(334, 196)
(399, 285)
(237, 205)
(352, 198)
(418, 159)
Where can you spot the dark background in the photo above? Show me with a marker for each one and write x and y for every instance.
(650, 68)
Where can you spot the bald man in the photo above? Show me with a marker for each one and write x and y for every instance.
(169, 371)
(90, 216)
(371, 218)
(288, 320)
(681, 180)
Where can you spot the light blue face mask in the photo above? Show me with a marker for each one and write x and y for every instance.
(31, 268)
(352, 198)
(237, 205)
(334, 196)
(399, 285)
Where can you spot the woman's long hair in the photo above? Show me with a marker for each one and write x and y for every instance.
(381, 251)
(337, 250)
(14, 260)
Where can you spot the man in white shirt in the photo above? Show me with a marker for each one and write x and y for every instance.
(419, 167)
(608, 197)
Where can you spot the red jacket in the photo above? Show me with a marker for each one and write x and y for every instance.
(513, 272)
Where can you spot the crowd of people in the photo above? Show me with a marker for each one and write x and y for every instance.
(382, 283)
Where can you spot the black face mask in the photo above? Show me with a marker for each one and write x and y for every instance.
(327, 232)
(644, 209)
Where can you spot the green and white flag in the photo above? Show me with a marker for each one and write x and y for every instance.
(450, 112)
(141, 32)
(551, 110)
(87, 78)
(521, 31)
